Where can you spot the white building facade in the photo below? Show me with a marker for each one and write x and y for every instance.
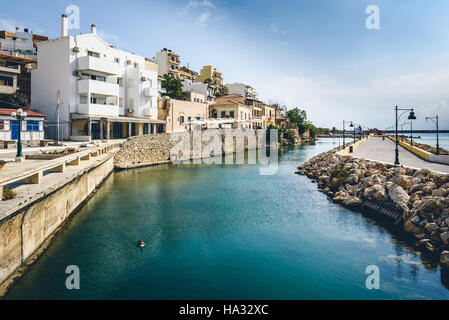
(100, 92)
(242, 90)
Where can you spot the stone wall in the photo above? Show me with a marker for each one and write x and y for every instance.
(164, 147)
(23, 233)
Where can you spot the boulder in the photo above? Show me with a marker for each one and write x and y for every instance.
(444, 258)
(445, 237)
(340, 196)
(352, 202)
(409, 226)
(430, 227)
(423, 171)
(397, 193)
(376, 192)
(439, 193)
(429, 188)
(429, 205)
(403, 181)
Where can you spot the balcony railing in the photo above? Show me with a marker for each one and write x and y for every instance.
(98, 87)
(99, 109)
(10, 69)
(98, 64)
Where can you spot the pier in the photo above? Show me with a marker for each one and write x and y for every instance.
(382, 150)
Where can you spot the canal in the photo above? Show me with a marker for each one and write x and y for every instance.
(226, 232)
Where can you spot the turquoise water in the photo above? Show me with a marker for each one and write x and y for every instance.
(226, 232)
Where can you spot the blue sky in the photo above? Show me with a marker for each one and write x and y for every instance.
(317, 55)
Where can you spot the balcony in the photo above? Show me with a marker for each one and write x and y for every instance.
(97, 64)
(98, 87)
(10, 69)
(7, 89)
(99, 109)
(150, 92)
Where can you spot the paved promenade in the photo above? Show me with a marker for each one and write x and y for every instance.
(383, 150)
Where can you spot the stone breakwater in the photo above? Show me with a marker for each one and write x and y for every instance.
(422, 196)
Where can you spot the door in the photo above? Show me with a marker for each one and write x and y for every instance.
(14, 129)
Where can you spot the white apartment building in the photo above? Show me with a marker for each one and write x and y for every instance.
(168, 63)
(242, 90)
(200, 88)
(100, 92)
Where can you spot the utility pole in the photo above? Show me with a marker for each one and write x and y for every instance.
(58, 103)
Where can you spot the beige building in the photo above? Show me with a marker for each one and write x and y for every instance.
(177, 113)
(232, 107)
(187, 74)
(169, 63)
(268, 115)
(209, 72)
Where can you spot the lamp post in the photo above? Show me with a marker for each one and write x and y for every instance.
(410, 117)
(344, 129)
(360, 132)
(20, 116)
(435, 120)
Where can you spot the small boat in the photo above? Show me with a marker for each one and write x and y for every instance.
(140, 243)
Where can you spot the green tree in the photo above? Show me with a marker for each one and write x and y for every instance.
(221, 91)
(209, 81)
(297, 116)
(173, 87)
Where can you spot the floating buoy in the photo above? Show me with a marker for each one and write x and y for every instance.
(140, 243)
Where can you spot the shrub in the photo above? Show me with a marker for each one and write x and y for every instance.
(8, 194)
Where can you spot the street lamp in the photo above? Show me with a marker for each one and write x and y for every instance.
(411, 116)
(344, 129)
(20, 116)
(435, 120)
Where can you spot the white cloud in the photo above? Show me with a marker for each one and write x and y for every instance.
(328, 101)
(274, 28)
(197, 4)
(204, 17)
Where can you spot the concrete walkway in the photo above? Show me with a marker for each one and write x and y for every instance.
(378, 149)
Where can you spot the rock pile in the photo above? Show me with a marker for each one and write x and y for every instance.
(421, 195)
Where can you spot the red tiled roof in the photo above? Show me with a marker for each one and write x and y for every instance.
(30, 113)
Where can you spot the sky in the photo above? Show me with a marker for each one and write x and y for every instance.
(316, 55)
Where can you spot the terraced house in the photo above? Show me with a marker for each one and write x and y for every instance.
(95, 90)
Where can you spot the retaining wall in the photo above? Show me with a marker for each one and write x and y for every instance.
(24, 232)
(170, 147)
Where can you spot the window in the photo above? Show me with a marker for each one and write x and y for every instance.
(198, 118)
(223, 114)
(116, 60)
(2, 124)
(120, 82)
(101, 78)
(93, 100)
(32, 125)
(6, 81)
(181, 119)
(231, 114)
(93, 54)
(136, 65)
